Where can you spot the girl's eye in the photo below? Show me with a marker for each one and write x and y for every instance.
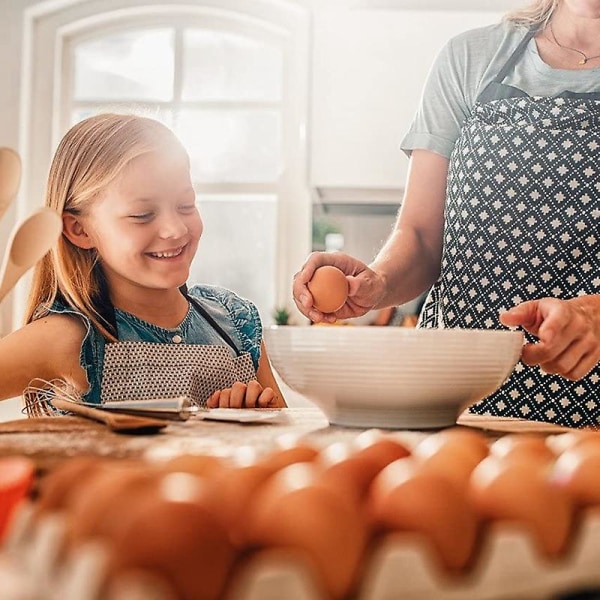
(187, 208)
(142, 217)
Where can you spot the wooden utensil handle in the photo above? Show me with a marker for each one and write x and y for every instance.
(79, 409)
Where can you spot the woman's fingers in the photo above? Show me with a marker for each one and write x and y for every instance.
(253, 392)
(267, 398)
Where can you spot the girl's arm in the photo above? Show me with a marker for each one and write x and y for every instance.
(265, 377)
(47, 349)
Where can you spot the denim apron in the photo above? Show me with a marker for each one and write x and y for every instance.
(149, 370)
(522, 222)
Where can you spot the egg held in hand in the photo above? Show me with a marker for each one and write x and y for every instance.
(329, 289)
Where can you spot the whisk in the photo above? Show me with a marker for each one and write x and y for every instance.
(38, 396)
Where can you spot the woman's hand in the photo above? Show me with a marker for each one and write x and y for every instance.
(241, 395)
(365, 287)
(568, 333)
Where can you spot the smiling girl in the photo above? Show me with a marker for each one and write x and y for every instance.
(109, 311)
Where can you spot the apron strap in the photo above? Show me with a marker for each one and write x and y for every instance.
(198, 306)
(516, 55)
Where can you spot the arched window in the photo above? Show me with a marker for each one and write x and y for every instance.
(232, 83)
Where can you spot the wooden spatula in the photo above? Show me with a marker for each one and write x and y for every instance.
(115, 421)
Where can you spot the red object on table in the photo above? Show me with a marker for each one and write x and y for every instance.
(16, 478)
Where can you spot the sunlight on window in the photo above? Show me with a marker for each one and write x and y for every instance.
(135, 65)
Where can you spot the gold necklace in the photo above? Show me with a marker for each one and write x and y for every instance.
(584, 58)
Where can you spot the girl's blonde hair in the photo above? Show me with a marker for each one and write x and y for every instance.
(91, 155)
(537, 13)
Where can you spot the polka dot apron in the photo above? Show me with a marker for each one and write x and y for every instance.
(522, 222)
(148, 370)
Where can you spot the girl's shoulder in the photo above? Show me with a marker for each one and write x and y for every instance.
(240, 312)
(223, 298)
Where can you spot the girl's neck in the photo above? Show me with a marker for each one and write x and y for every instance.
(164, 308)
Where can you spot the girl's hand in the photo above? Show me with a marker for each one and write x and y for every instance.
(241, 395)
(568, 333)
(365, 286)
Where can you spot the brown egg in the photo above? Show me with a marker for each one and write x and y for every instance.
(288, 453)
(521, 447)
(350, 473)
(114, 488)
(173, 533)
(565, 441)
(65, 479)
(381, 448)
(522, 492)
(195, 464)
(452, 453)
(329, 289)
(577, 471)
(292, 510)
(404, 499)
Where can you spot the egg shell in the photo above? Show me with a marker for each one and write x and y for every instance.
(115, 488)
(65, 479)
(175, 535)
(196, 464)
(381, 448)
(404, 499)
(329, 289)
(292, 510)
(521, 447)
(349, 473)
(577, 471)
(453, 454)
(283, 457)
(565, 441)
(523, 492)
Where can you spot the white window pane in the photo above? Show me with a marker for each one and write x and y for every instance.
(223, 66)
(83, 112)
(232, 145)
(237, 249)
(135, 65)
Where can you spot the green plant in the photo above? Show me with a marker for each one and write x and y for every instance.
(281, 316)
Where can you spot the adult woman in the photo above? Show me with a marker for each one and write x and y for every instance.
(502, 206)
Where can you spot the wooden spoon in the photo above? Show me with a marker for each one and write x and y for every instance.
(115, 421)
(10, 177)
(29, 241)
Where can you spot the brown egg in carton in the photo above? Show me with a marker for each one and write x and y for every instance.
(297, 535)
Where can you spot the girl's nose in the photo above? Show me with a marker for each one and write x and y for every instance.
(172, 226)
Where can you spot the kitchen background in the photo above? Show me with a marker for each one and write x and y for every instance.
(292, 111)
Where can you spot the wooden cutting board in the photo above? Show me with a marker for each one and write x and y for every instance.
(509, 424)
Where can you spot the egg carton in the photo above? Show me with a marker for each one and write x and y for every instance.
(402, 565)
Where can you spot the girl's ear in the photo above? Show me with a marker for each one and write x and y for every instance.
(75, 232)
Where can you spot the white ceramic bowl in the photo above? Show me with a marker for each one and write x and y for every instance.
(393, 377)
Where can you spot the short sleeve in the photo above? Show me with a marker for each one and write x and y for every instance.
(443, 106)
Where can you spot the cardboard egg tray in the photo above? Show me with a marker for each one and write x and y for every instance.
(401, 565)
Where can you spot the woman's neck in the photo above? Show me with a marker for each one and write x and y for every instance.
(577, 30)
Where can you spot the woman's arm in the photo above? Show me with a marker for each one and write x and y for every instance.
(409, 262)
(47, 349)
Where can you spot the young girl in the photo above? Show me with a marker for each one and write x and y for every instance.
(109, 312)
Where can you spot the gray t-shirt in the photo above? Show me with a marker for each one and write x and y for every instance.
(462, 70)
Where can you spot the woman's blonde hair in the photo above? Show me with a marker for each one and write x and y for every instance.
(537, 13)
(90, 156)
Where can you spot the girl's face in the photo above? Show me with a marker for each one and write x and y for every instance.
(145, 226)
